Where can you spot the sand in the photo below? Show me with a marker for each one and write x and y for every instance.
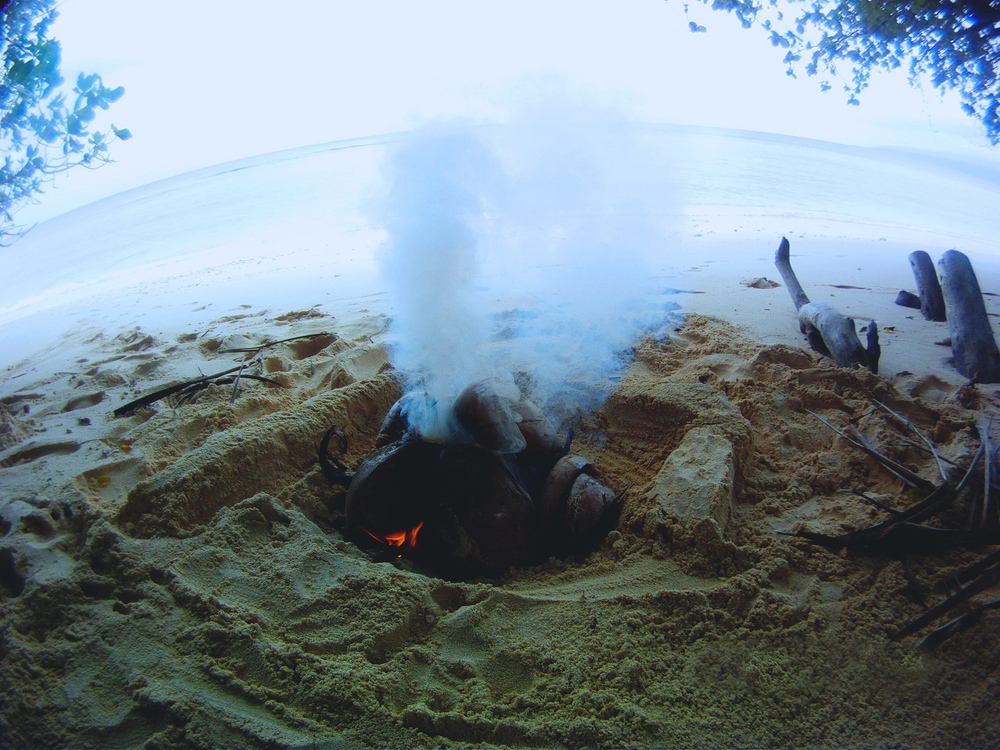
(180, 577)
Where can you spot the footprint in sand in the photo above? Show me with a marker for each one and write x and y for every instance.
(35, 452)
(84, 402)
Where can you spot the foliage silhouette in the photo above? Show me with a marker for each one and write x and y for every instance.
(40, 133)
(956, 43)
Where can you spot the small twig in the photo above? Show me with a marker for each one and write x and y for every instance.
(876, 503)
(970, 618)
(259, 348)
(859, 440)
(968, 475)
(969, 573)
(984, 436)
(248, 376)
(187, 390)
(896, 537)
(905, 474)
(910, 444)
(170, 390)
(930, 444)
(983, 582)
(901, 472)
(236, 386)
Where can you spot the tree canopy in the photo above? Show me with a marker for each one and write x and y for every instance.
(955, 43)
(42, 133)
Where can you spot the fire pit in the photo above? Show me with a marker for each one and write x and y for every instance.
(499, 490)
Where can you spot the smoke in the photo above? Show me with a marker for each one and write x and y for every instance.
(527, 249)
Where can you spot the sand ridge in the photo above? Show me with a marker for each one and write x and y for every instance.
(181, 578)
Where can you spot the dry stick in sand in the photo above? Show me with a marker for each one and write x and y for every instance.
(927, 441)
(261, 347)
(170, 390)
(980, 576)
(984, 436)
(904, 532)
(972, 343)
(957, 625)
(877, 503)
(860, 441)
(236, 386)
(981, 583)
(187, 387)
(188, 395)
(829, 331)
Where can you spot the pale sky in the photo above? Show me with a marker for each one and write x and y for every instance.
(210, 81)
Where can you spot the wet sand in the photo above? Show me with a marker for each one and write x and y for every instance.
(181, 577)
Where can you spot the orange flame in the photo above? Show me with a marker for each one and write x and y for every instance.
(401, 540)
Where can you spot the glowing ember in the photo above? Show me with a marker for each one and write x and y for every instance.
(401, 540)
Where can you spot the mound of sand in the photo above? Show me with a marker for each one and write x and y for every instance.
(178, 578)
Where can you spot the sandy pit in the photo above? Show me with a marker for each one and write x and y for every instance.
(179, 577)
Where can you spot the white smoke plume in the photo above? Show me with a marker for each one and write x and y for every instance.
(524, 248)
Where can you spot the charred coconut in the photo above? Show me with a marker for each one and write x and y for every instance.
(500, 492)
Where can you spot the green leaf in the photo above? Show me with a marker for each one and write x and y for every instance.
(86, 83)
(73, 125)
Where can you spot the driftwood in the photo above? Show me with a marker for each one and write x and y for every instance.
(908, 299)
(972, 343)
(928, 287)
(829, 332)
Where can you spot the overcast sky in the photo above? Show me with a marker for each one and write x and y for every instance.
(211, 81)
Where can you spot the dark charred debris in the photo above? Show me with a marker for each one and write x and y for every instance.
(502, 491)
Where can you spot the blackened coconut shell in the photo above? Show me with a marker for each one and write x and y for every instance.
(558, 485)
(486, 413)
(486, 519)
(591, 510)
(576, 508)
(393, 489)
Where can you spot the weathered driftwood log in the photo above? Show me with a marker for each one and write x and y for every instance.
(972, 342)
(928, 288)
(829, 332)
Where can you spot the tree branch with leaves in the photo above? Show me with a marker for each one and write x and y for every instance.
(955, 43)
(41, 132)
